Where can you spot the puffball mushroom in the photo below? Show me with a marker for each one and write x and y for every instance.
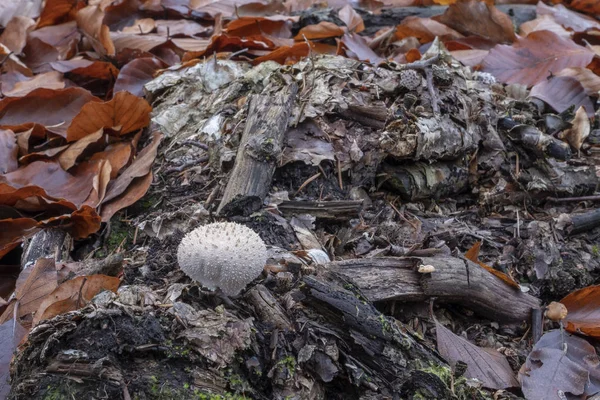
(224, 255)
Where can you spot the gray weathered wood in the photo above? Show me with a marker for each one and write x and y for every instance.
(258, 153)
(454, 280)
(343, 209)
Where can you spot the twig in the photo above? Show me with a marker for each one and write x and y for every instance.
(595, 197)
(203, 146)
(306, 182)
(432, 93)
(422, 64)
(187, 164)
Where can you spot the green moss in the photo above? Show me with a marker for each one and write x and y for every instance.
(596, 251)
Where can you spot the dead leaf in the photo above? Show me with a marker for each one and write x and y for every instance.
(11, 333)
(135, 74)
(567, 18)
(473, 255)
(15, 84)
(14, 36)
(584, 311)
(322, 30)
(473, 17)
(560, 363)
(358, 48)
(117, 154)
(579, 130)
(544, 23)
(90, 22)
(74, 294)
(140, 167)
(123, 114)
(135, 191)
(8, 151)
(531, 60)
(353, 21)
(53, 109)
(487, 365)
(40, 282)
(56, 10)
(562, 92)
(589, 80)
(424, 29)
(69, 156)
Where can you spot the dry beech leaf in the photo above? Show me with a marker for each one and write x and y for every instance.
(584, 311)
(42, 280)
(322, 30)
(587, 6)
(100, 183)
(353, 21)
(117, 154)
(14, 231)
(135, 191)
(90, 22)
(473, 17)
(11, 333)
(487, 365)
(69, 156)
(74, 294)
(532, 59)
(125, 113)
(589, 80)
(473, 255)
(138, 168)
(56, 10)
(53, 109)
(424, 29)
(15, 84)
(14, 36)
(544, 23)
(359, 49)
(136, 73)
(562, 92)
(8, 151)
(560, 363)
(579, 130)
(567, 18)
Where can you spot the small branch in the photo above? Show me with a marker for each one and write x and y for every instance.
(574, 199)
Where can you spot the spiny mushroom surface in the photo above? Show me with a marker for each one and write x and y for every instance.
(224, 255)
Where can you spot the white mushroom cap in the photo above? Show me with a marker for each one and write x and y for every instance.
(224, 255)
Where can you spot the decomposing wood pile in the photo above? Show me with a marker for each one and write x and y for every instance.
(364, 181)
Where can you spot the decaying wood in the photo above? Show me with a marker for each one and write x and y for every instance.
(48, 243)
(519, 13)
(268, 308)
(259, 150)
(583, 222)
(420, 180)
(342, 209)
(454, 280)
(370, 343)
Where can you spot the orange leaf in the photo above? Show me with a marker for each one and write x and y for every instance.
(322, 30)
(31, 291)
(124, 113)
(473, 255)
(74, 294)
(583, 308)
(530, 60)
(136, 190)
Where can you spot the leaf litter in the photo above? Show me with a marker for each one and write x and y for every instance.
(79, 94)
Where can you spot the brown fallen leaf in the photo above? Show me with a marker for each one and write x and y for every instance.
(8, 151)
(69, 156)
(123, 114)
(583, 306)
(532, 59)
(138, 168)
(579, 130)
(15, 84)
(487, 365)
(74, 294)
(117, 154)
(473, 255)
(562, 92)
(350, 17)
(40, 282)
(90, 22)
(11, 333)
(135, 191)
(322, 30)
(14, 36)
(135, 74)
(473, 17)
(560, 363)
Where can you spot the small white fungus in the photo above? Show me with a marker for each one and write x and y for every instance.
(224, 255)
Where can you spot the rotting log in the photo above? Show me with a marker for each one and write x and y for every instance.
(518, 13)
(48, 243)
(583, 222)
(342, 209)
(260, 149)
(454, 280)
(383, 357)
(268, 308)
